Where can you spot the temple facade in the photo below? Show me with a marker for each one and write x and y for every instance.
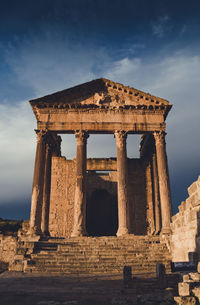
(100, 196)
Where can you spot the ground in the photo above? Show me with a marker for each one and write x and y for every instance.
(17, 288)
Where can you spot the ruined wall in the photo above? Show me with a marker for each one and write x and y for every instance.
(186, 225)
(8, 246)
(140, 196)
(63, 188)
(62, 196)
(107, 181)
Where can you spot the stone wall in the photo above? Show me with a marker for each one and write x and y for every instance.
(140, 196)
(186, 225)
(63, 189)
(8, 246)
(62, 197)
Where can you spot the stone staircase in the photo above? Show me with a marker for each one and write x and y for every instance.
(96, 255)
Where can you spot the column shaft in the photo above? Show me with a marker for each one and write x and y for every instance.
(79, 227)
(123, 205)
(164, 186)
(46, 192)
(36, 200)
(156, 194)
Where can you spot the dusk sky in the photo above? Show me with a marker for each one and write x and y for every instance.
(46, 46)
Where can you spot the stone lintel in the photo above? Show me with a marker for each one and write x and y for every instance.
(101, 128)
(102, 164)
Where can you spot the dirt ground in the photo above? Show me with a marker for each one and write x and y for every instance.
(17, 288)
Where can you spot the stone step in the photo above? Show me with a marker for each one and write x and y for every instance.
(103, 250)
(88, 255)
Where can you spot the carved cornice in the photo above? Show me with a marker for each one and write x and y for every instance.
(100, 94)
(71, 107)
(102, 90)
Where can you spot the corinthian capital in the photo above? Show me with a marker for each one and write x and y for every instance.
(41, 134)
(120, 134)
(81, 136)
(159, 137)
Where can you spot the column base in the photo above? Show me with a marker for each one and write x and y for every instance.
(122, 231)
(166, 231)
(78, 233)
(34, 231)
(157, 232)
(45, 235)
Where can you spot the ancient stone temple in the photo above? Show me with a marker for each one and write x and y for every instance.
(99, 196)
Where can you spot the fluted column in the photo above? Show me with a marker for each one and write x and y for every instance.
(156, 194)
(46, 191)
(164, 186)
(37, 190)
(123, 206)
(79, 227)
(52, 148)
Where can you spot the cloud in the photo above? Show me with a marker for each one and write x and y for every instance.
(17, 151)
(125, 68)
(47, 67)
(161, 26)
(54, 62)
(176, 78)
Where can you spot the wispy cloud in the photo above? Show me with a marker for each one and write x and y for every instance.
(47, 68)
(53, 62)
(161, 26)
(17, 151)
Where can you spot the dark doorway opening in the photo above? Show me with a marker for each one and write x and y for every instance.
(101, 214)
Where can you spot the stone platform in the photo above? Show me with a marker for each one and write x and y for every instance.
(93, 255)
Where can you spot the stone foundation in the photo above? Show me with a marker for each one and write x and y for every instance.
(186, 226)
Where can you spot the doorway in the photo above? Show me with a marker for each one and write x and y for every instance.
(102, 214)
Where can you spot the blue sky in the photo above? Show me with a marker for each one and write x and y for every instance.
(46, 46)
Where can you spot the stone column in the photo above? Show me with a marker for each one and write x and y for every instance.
(79, 228)
(52, 148)
(164, 186)
(156, 194)
(56, 145)
(123, 204)
(36, 200)
(46, 190)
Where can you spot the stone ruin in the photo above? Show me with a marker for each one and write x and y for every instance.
(76, 197)
(105, 215)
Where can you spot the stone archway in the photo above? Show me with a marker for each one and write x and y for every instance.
(101, 214)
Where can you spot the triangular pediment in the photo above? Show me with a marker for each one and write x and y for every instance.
(101, 92)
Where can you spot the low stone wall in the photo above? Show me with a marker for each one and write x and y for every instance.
(8, 246)
(189, 289)
(186, 226)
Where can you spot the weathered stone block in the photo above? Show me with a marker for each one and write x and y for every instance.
(185, 300)
(195, 276)
(184, 289)
(193, 188)
(196, 292)
(186, 278)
